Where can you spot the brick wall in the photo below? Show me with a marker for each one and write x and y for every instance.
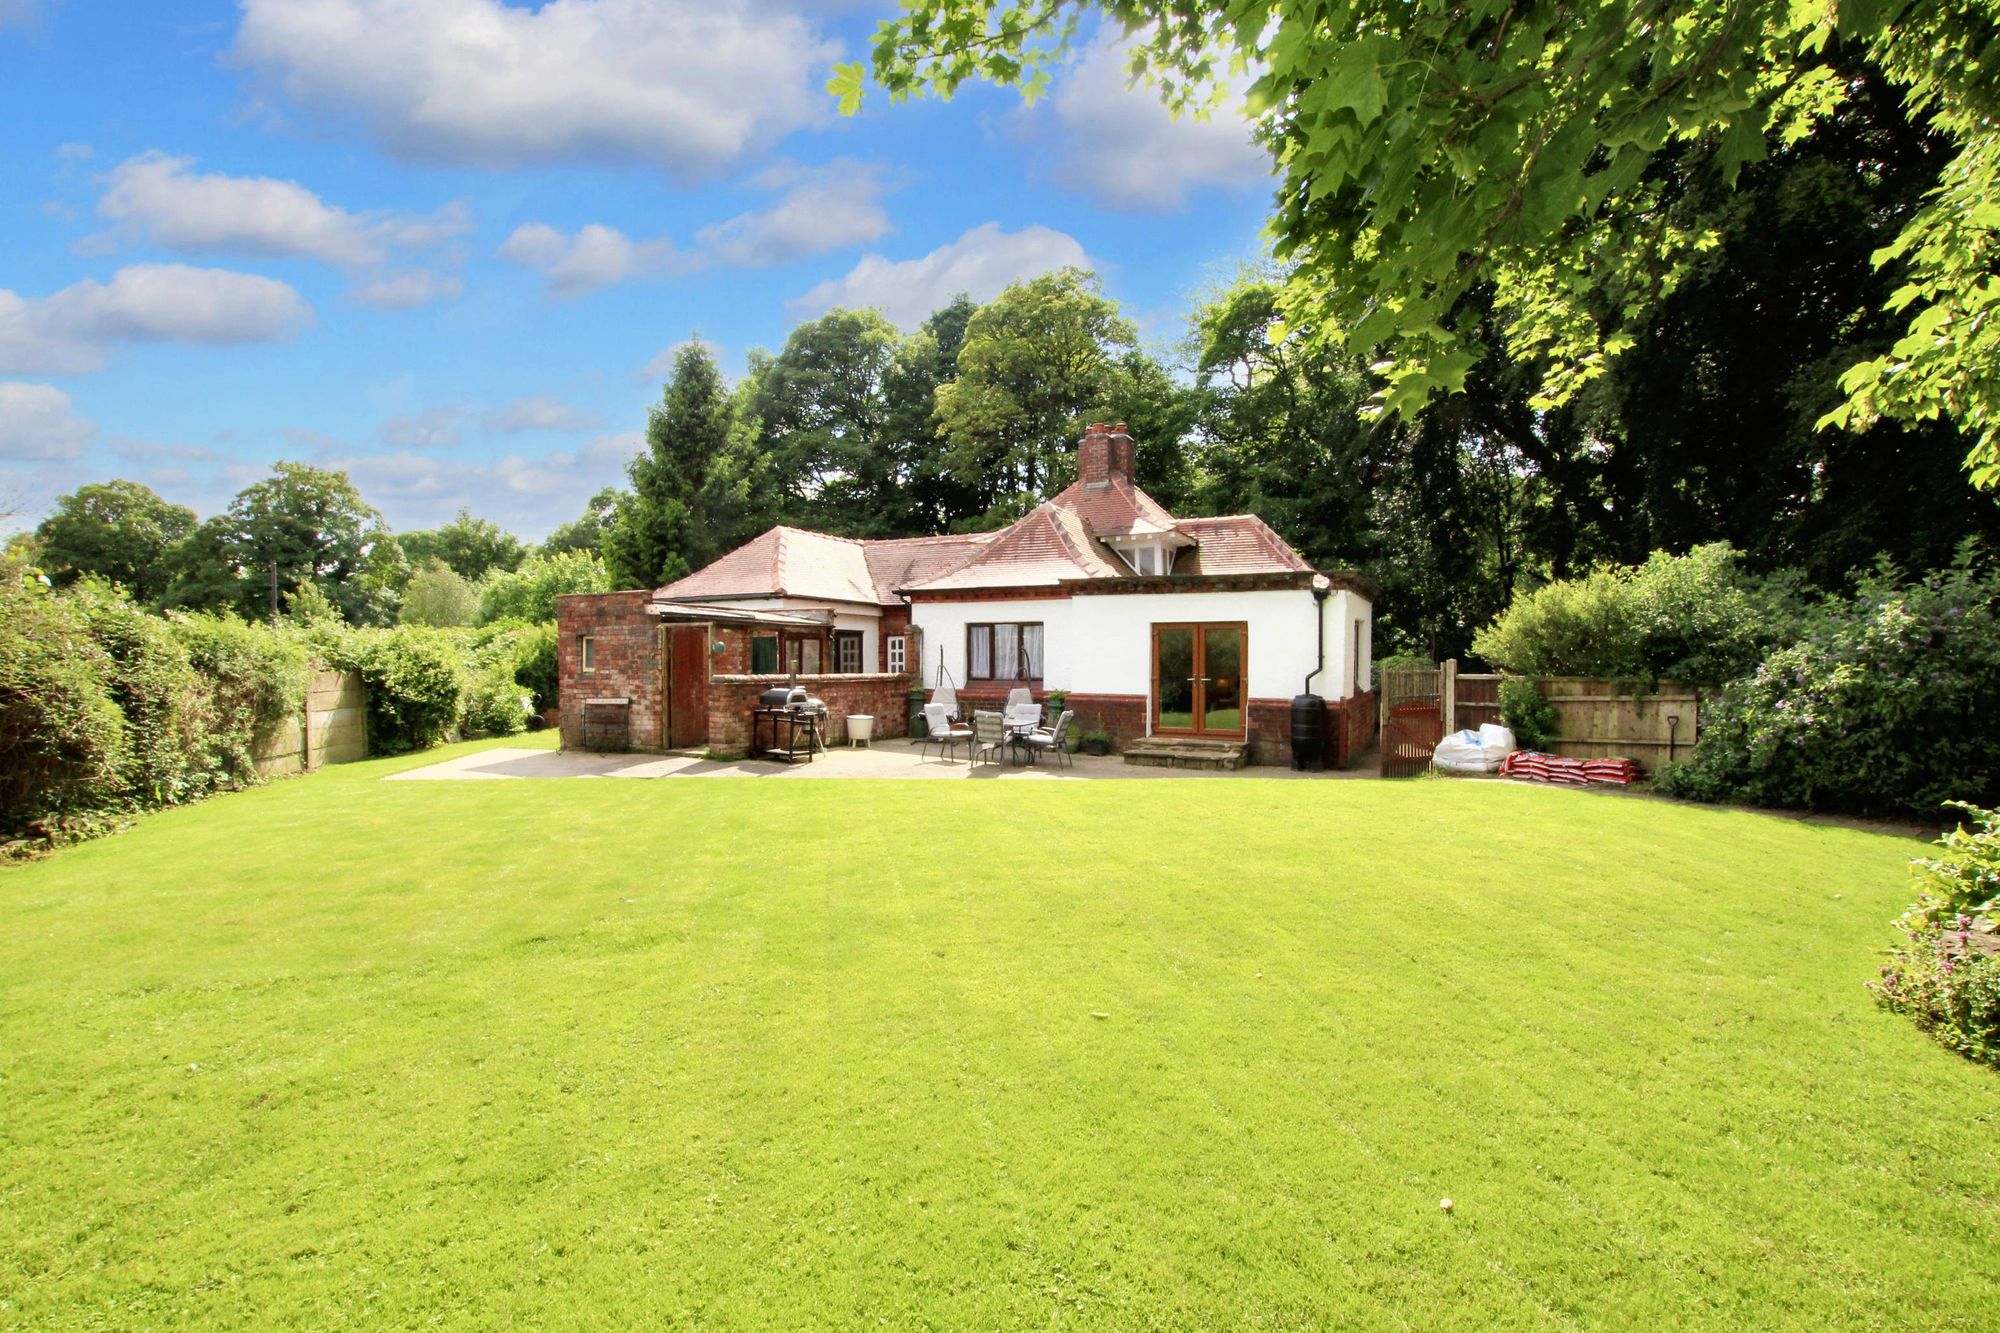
(1122, 715)
(1351, 724)
(876, 693)
(627, 657)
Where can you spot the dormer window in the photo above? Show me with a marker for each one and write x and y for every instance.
(1150, 558)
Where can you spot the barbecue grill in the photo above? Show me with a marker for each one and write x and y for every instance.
(800, 715)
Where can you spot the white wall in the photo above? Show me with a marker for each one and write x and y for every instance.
(1103, 643)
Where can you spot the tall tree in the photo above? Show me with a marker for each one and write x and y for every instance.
(693, 485)
(585, 532)
(1038, 361)
(934, 498)
(118, 530)
(1431, 147)
(302, 526)
(471, 547)
(822, 411)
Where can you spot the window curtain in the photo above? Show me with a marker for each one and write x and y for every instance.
(980, 648)
(1006, 652)
(1031, 648)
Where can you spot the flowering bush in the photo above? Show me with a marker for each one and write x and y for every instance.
(1888, 703)
(1939, 977)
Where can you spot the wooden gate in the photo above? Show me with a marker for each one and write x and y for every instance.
(1412, 719)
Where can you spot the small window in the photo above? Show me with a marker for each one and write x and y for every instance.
(586, 646)
(802, 656)
(764, 655)
(896, 650)
(846, 651)
(1003, 652)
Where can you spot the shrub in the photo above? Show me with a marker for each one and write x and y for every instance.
(1949, 989)
(495, 703)
(415, 676)
(256, 681)
(163, 703)
(62, 739)
(436, 595)
(529, 593)
(1526, 713)
(535, 664)
(1889, 703)
(1697, 618)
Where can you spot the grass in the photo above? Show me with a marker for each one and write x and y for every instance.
(908, 1054)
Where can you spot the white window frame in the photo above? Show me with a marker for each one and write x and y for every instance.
(586, 647)
(898, 662)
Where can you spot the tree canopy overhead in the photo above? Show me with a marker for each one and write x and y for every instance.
(1432, 149)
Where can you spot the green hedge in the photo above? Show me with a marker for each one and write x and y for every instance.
(1697, 618)
(106, 707)
(415, 675)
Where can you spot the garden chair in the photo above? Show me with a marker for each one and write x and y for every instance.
(943, 732)
(989, 735)
(1053, 740)
(945, 697)
(1020, 697)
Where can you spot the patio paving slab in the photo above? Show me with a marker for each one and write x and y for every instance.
(891, 760)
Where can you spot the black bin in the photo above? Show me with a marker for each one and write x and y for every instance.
(1308, 732)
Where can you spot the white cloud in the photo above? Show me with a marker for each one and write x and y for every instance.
(38, 423)
(981, 263)
(1128, 152)
(407, 290)
(538, 412)
(689, 88)
(596, 256)
(72, 151)
(526, 495)
(19, 13)
(818, 209)
(433, 428)
(68, 332)
(161, 199)
(822, 208)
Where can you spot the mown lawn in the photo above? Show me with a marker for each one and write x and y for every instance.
(916, 1054)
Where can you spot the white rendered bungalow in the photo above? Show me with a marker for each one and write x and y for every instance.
(1183, 634)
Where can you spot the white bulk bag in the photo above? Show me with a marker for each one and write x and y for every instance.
(1497, 738)
(1461, 752)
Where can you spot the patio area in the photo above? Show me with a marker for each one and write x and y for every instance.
(892, 759)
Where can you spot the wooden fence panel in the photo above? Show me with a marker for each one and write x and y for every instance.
(1594, 721)
(333, 729)
(1478, 701)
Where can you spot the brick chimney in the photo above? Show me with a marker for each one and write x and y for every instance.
(1106, 452)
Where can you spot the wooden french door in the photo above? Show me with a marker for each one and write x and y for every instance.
(1198, 673)
(684, 664)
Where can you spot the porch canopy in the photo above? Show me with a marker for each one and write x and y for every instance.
(710, 613)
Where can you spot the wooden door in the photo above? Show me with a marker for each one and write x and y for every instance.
(686, 722)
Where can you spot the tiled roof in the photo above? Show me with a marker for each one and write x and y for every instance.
(902, 562)
(1058, 540)
(1236, 544)
(783, 562)
(795, 562)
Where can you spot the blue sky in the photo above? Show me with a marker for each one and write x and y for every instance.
(444, 244)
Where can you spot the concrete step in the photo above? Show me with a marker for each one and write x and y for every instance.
(1171, 752)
